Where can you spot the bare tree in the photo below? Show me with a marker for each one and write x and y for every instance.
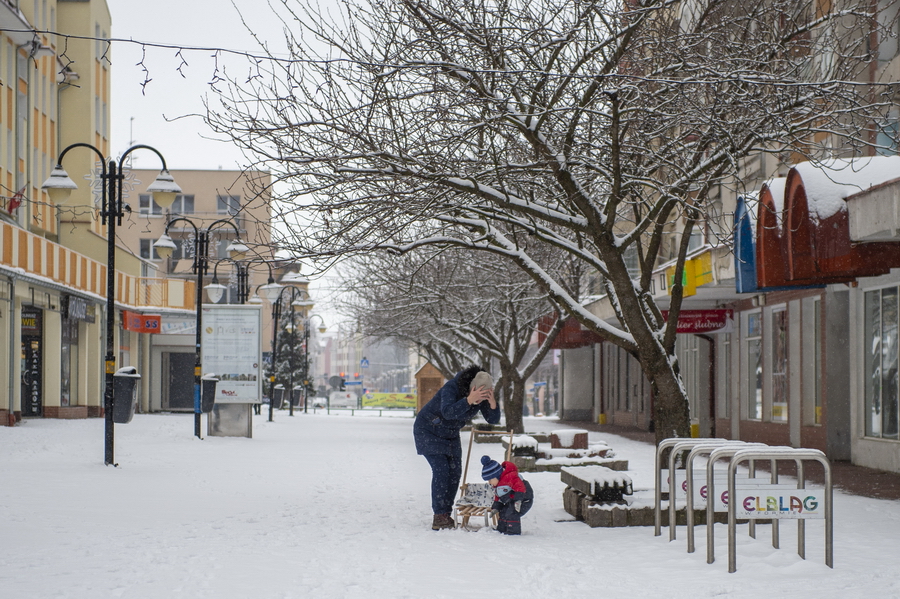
(588, 126)
(457, 307)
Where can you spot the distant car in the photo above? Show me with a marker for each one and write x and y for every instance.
(319, 402)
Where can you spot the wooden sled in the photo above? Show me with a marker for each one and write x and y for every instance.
(475, 499)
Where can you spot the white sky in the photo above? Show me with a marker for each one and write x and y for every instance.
(196, 23)
(338, 507)
(144, 114)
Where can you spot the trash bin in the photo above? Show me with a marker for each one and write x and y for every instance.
(279, 397)
(208, 392)
(125, 394)
(296, 395)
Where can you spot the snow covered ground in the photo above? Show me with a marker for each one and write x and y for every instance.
(338, 506)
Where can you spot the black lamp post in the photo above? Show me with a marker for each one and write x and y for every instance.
(165, 247)
(216, 290)
(164, 189)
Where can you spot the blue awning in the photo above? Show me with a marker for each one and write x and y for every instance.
(744, 249)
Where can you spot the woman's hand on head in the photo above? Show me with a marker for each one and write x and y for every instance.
(491, 400)
(478, 395)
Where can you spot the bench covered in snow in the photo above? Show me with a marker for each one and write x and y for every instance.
(597, 482)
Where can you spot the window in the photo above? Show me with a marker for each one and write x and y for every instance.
(779, 366)
(880, 363)
(888, 133)
(148, 205)
(632, 263)
(753, 344)
(228, 204)
(817, 360)
(183, 204)
(68, 373)
(148, 252)
(723, 410)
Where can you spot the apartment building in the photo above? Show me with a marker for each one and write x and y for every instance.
(54, 91)
(220, 206)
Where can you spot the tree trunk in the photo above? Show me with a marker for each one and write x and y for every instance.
(513, 398)
(671, 414)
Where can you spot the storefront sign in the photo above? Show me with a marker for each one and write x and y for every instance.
(141, 323)
(76, 308)
(31, 322)
(179, 325)
(702, 321)
(232, 350)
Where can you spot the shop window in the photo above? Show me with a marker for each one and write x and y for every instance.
(723, 409)
(69, 363)
(880, 363)
(753, 345)
(779, 366)
(812, 361)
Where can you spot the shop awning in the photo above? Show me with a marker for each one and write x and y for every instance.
(816, 221)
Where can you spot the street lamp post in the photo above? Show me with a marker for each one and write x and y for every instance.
(216, 290)
(306, 356)
(164, 189)
(165, 247)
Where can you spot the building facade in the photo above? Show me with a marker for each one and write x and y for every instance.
(210, 203)
(805, 301)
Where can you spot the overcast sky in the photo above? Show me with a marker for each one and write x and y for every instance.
(158, 114)
(144, 114)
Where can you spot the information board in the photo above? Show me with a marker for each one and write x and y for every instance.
(232, 350)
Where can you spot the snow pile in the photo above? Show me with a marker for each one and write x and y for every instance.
(524, 442)
(567, 436)
(600, 475)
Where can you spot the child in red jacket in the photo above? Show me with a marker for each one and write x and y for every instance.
(509, 490)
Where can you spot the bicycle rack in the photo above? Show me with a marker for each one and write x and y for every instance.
(676, 444)
(776, 454)
(698, 450)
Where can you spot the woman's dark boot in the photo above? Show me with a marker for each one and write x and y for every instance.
(442, 521)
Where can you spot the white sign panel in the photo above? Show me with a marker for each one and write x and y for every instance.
(776, 501)
(232, 350)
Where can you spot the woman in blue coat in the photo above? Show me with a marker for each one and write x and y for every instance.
(436, 432)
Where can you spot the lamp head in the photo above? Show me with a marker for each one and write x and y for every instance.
(237, 250)
(164, 189)
(271, 291)
(215, 291)
(164, 246)
(58, 185)
(302, 304)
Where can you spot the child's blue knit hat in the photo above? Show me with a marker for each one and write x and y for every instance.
(490, 468)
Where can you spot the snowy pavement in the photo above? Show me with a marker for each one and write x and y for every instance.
(338, 506)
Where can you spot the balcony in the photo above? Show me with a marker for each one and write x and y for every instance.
(38, 257)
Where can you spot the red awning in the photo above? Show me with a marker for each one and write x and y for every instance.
(572, 335)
